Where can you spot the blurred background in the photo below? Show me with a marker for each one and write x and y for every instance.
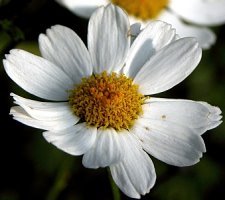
(32, 169)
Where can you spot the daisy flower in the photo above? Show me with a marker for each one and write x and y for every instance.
(189, 18)
(98, 102)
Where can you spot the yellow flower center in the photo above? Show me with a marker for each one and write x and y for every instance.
(143, 9)
(107, 100)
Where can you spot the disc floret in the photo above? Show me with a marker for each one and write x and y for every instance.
(107, 100)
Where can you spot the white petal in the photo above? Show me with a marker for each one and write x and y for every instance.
(39, 117)
(169, 66)
(154, 36)
(64, 48)
(135, 29)
(197, 116)
(107, 150)
(203, 12)
(75, 140)
(214, 115)
(204, 35)
(82, 8)
(169, 142)
(37, 75)
(135, 175)
(45, 110)
(108, 38)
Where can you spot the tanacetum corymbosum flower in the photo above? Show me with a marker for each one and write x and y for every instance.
(98, 97)
(190, 18)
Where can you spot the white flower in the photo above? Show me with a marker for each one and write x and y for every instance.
(99, 106)
(198, 13)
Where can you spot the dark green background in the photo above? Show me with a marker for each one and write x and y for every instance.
(32, 169)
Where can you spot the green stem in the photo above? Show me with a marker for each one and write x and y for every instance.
(115, 189)
(61, 180)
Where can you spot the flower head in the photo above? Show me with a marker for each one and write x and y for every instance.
(190, 18)
(99, 97)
